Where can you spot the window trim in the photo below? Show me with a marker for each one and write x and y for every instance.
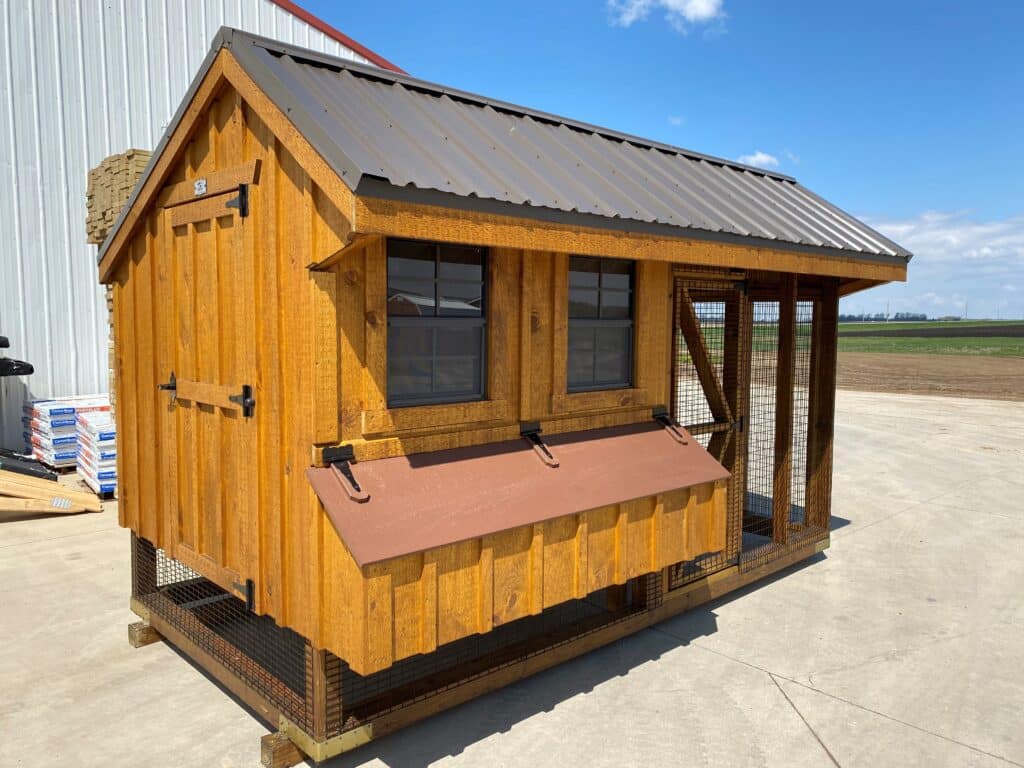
(438, 321)
(603, 322)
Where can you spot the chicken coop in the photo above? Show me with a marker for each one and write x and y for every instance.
(420, 392)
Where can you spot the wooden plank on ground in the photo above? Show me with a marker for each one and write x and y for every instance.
(54, 506)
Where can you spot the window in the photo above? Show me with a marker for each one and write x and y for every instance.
(436, 323)
(600, 324)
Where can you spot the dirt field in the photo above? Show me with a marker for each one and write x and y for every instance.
(996, 378)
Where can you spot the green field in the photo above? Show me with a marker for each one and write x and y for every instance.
(867, 327)
(996, 346)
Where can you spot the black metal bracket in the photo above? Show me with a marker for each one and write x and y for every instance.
(171, 386)
(246, 400)
(740, 424)
(249, 588)
(241, 202)
(660, 414)
(341, 457)
(530, 431)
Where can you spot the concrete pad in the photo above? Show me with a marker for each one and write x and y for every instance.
(857, 737)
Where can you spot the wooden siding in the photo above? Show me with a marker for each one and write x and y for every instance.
(223, 300)
(413, 604)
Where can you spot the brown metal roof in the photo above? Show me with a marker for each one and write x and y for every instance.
(431, 499)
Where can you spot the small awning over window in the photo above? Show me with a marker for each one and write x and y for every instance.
(428, 500)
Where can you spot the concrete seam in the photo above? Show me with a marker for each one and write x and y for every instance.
(845, 701)
(810, 728)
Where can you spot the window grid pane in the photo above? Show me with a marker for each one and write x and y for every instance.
(436, 323)
(600, 349)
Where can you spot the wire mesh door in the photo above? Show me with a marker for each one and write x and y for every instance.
(709, 394)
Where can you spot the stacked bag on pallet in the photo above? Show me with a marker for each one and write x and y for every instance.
(51, 427)
(97, 451)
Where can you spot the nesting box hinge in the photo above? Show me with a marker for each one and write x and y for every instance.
(245, 400)
(530, 431)
(660, 414)
(341, 457)
(241, 202)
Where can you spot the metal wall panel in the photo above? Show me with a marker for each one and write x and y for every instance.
(81, 80)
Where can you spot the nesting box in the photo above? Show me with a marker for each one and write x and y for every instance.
(419, 392)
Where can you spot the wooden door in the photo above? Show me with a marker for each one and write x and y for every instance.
(215, 396)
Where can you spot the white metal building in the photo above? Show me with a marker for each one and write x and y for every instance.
(81, 80)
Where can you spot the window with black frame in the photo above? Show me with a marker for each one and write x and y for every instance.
(600, 324)
(436, 323)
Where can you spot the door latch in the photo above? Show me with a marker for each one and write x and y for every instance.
(245, 400)
(171, 386)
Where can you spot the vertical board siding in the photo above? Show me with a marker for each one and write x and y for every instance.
(81, 80)
(412, 604)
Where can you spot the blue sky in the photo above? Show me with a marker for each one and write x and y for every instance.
(909, 115)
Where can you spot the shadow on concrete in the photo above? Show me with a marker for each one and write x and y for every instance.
(837, 523)
(452, 731)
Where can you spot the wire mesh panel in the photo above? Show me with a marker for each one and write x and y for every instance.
(764, 535)
(760, 425)
(280, 665)
(710, 343)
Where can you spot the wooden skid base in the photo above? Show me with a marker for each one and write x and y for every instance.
(290, 744)
(278, 751)
(140, 633)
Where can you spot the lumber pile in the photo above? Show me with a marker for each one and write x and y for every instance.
(21, 494)
(110, 184)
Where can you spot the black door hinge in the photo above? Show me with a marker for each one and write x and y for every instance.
(241, 202)
(249, 589)
(171, 386)
(246, 400)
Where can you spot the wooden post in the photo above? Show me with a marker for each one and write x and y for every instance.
(784, 375)
(278, 751)
(822, 396)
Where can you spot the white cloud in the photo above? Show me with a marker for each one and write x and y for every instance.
(958, 261)
(759, 159)
(681, 14)
(676, 119)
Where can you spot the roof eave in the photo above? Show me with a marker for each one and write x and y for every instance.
(375, 187)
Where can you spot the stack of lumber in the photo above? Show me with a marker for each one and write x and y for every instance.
(110, 184)
(21, 494)
(51, 427)
(97, 451)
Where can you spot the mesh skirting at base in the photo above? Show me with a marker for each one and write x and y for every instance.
(280, 665)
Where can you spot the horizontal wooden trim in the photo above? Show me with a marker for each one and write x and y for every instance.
(208, 394)
(205, 566)
(203, 210)
(389, 420)
(217, 182)
(601, 400)
(427, 222)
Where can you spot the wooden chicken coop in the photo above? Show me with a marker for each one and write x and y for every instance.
(420, 392)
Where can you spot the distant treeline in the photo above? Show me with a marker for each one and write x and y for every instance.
(880, 317)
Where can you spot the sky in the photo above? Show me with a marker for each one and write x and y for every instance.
(908, 114)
